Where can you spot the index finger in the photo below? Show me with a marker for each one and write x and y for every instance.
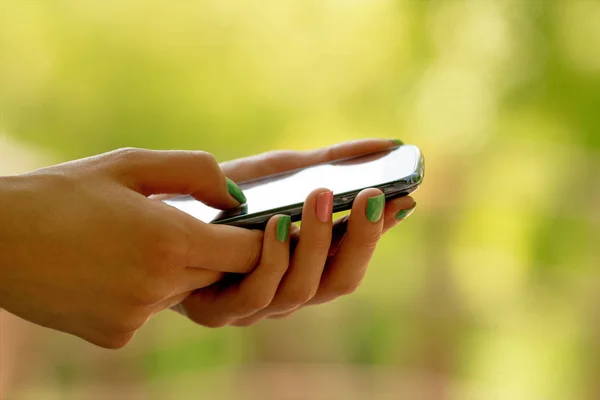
(278, 161)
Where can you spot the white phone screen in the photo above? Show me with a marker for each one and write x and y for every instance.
(280, 191)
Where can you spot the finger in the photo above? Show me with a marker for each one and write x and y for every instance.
(396, 211)
(340, 227)
(196, 173)
(285, 160)
(188, 242)
(198, 278)
(221, 247)
(302, 278)
(282, 315)
(161, 197)
(218, 305)
(348, 266)
(174, 303)
(294, 238)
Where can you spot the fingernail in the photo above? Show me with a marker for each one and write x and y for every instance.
(397, 142)
(405, 213)
(235, 191)
(283, 227)
(324, 206)
(375, 207)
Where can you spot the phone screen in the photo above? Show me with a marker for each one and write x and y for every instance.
(283, 190)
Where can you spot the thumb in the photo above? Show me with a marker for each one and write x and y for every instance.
(196, 173)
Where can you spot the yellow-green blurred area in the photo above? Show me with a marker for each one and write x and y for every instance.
(490, 290)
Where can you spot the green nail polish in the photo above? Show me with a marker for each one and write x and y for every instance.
(397, 142)
(235, 191)
(283, 227)
(375, 207)
(405, 213)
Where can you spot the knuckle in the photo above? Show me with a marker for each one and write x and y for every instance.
(284, 307)
(122, 331)
(168, 252)
(131, 321)
(371, 241)
(274, 270)
(284, 160)
(281, 315)
(193, 316)
(243, 323)
(211, 323)
(252, 253)
(205, 159)
(346, 288)
(128, 153)
(164, 249)
(320, 244)
(115, 341)
(255, 303)
(330, 153)
(147, 293)
(204, 317)
(297, 298)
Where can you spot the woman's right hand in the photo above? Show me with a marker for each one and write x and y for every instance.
(84, 250)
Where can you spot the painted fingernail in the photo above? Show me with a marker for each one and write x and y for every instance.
(283, 227)
(375, 207)
(397, 142)
(235, 191)
(405, 213)
(324, 206)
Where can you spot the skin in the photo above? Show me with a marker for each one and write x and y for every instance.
(86, 249)
(323, 266)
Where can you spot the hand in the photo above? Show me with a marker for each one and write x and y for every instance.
(84, 251)
(327, 261)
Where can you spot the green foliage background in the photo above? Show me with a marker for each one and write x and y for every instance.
(490, 290)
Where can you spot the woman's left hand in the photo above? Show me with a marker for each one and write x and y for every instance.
(329, 259)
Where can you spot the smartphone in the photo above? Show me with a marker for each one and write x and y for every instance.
(397, 172)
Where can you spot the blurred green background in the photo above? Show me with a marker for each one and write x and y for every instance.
(491, 290)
